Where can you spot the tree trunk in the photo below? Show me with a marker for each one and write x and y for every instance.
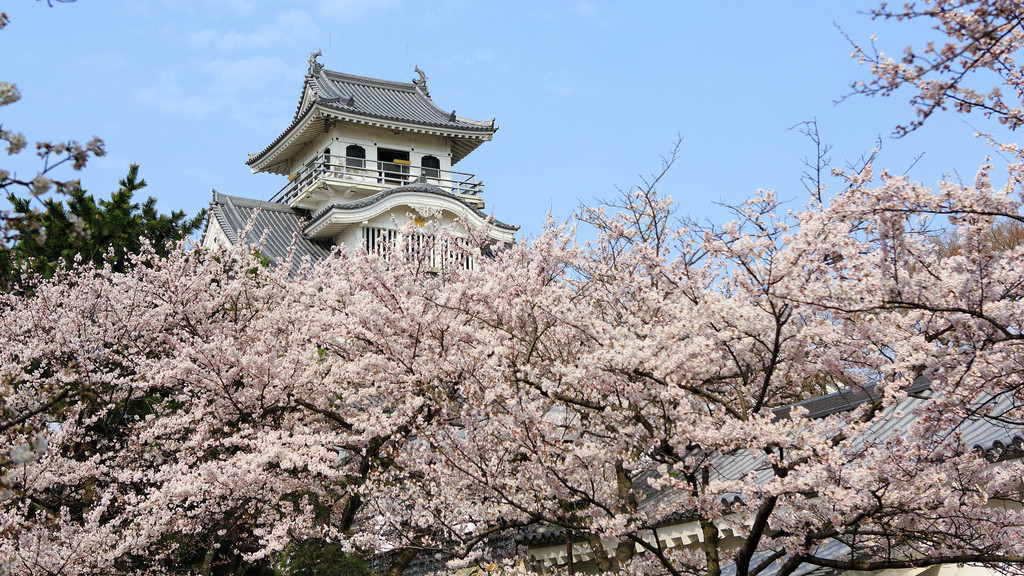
(207, 565)
(402, 560)
(710, 531)
(604, 562)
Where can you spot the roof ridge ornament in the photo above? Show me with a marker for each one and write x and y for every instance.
(349, 101)
(421, 82)
(314, 66)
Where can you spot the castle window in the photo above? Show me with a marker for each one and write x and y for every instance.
(394, 164)
(431, 167)
(355, 156)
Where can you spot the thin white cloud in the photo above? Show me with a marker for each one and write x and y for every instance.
(352, 8)
(240, 88)
(245, 7)
(286, 25)
(586, 8)
(168, 97)
(103, 62)
(246, 74)
(201, 8)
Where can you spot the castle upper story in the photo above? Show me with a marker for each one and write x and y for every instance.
(362, 154)
(362, 135)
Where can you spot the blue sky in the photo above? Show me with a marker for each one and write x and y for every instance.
(587, 94)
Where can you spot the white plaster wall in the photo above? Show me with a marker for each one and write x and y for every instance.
(370, 138)
(214, 238)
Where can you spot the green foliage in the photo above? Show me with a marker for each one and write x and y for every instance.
(320, 558)
(107, 231)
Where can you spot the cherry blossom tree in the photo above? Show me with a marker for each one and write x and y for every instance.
(205, 413)
(227, 411)
(202, 431)
(650, 360)
(978, 40)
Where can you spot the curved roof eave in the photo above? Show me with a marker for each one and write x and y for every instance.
(313, 115)
(387, 199)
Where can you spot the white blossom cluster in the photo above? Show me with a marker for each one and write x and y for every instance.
(8, 93)
(15, 141)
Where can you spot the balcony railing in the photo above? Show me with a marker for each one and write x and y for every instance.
(436, 253)
(375, 173)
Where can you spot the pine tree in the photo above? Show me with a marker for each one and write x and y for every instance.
(104, 231)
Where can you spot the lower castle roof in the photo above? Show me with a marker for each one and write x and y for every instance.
(275, 228)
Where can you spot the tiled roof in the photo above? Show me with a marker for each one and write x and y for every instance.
(399, 101)
(372, 100)
(275, 228)
(832, 550)
(993, 437)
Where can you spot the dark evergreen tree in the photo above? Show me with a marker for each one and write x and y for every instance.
(107, 231)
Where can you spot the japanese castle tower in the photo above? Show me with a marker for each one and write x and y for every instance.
(360, 156)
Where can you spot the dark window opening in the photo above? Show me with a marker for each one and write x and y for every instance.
(355, 156)
(431, 167)
(394, 164)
